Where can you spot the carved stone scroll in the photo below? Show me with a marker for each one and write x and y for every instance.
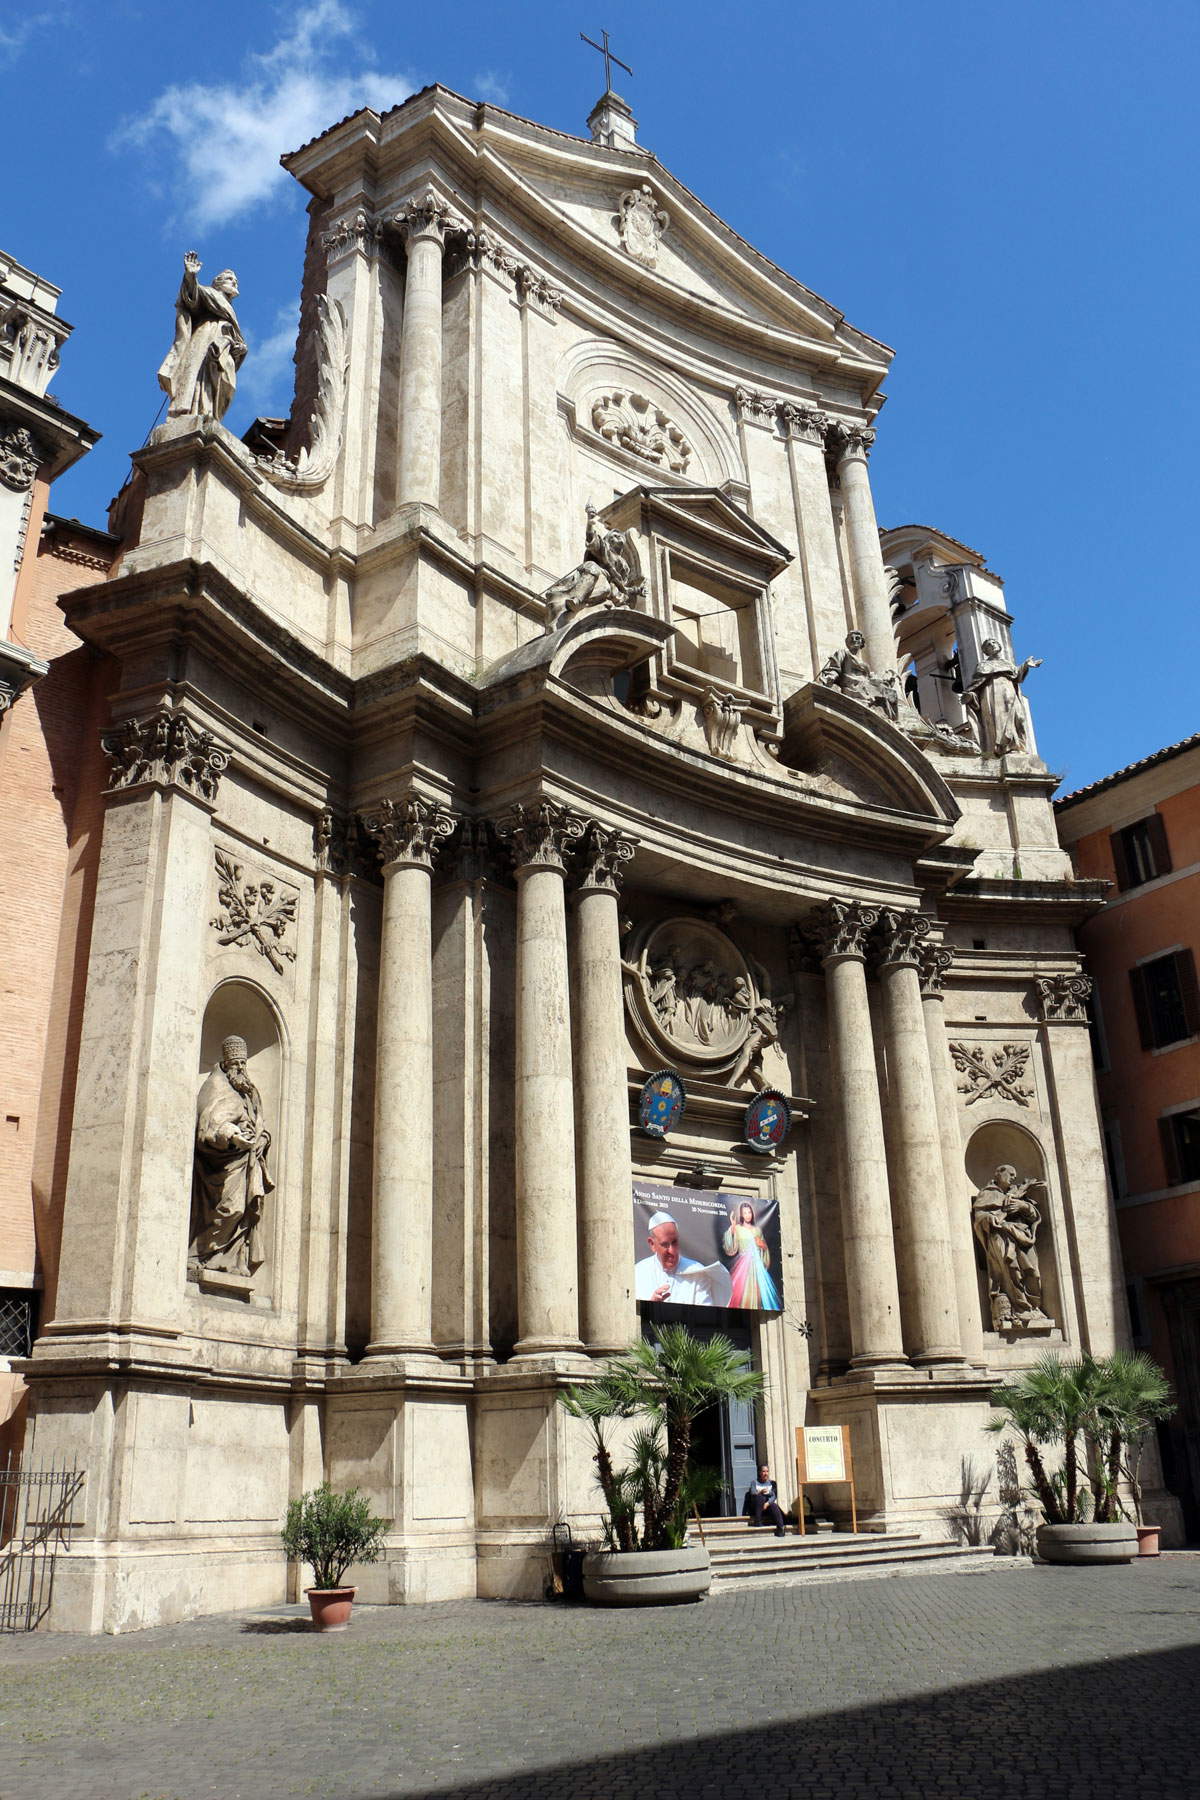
(722, 721)
(314, 464)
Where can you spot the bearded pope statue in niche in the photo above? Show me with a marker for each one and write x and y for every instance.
(230, 1179)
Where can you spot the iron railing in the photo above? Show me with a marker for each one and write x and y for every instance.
(36, 1510)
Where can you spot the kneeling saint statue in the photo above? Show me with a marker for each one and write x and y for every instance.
(230, 1180)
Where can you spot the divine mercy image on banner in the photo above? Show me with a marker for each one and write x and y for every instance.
(697, 1247)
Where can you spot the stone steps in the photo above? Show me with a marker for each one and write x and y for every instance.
(743, 1557)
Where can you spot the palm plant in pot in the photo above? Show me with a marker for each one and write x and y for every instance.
(329, 1532)
(1092, 1410)
(662, 1385)
(1137, 1395)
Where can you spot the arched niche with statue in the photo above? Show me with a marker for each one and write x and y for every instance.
(237, 1144)
(1012, 1225)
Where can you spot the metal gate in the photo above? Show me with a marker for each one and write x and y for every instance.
(36, 1509)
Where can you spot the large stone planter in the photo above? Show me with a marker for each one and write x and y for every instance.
(646, 1577)
(1087, 1543)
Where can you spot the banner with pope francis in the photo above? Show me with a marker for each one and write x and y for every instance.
(706, 1247)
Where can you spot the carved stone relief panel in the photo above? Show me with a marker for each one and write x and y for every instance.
(638, 424)
(255, 912)
(993, 1073)
(690, 993)
(641, 224)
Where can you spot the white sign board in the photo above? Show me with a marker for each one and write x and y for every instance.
(824, 1453)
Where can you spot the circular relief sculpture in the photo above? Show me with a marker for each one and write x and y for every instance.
(690, 992)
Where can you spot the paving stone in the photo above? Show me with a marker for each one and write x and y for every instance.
(1050, 1684)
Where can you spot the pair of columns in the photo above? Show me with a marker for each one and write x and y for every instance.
(561, 1222)
(909, 1261)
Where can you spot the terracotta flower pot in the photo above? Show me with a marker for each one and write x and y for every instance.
(1148, 1540)
(330, 1607)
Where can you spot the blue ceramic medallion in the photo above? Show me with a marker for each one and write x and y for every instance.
(662, 1102)
(768, 1121)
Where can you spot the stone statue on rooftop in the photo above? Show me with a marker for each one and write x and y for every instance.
(199, 371)
(994, 699)
(609, 575)
(848, 672)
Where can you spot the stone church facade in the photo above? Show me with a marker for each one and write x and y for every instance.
(486, 739)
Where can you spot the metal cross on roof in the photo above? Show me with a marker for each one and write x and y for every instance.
(609, 59)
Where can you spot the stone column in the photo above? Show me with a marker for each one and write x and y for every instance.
(608, 1313)
(933, 965)
(409, 834)
(929, 1302)
(841, 929)
(866, 558)
(540, 837)
(424, 222)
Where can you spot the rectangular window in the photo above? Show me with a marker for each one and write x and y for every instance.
(1140, 852)
(1180, 1135)
(18, 1307)
(1114, 1160)
(1165, 999)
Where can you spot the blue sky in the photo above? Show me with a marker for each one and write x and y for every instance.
(1006, 195)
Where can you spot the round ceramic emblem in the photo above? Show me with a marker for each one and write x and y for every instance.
(661, 1105)
(768, 1121)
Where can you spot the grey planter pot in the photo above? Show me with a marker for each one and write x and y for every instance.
(1087, 1543)
(646, 1577)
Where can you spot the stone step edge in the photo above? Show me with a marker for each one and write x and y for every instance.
(965, 1561)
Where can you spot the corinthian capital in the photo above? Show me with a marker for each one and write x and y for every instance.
(602, 857)
(841, 927)
(167, 750)
(933, 965)
(1063, 999)
(804, 423)
(542, 834)
(846, 441)
(426, 215)
(410, 830)
(901, 934)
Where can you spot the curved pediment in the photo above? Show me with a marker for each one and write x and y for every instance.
(614, 637)
(828, 733)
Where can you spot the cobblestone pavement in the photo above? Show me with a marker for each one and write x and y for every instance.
(1067, 1684)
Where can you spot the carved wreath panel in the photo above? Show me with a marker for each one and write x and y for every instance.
(993, 1074)
(254, 913)
(639, 425)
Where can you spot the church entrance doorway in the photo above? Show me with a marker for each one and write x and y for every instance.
(726, 1437)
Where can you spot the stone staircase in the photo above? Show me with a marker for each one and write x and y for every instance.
(743, 1556)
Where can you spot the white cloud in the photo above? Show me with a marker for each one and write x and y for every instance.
(267, 374)
(489, 85)
(14, 37)
(228, 137)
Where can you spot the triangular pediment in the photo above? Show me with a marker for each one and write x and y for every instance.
(713, 514)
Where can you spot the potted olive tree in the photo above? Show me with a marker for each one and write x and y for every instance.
(1094, 1413)
(662, 1386)
(329, 1532)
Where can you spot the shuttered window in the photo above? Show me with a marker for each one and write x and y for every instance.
(1180, 1136)
(1166, 999)
(1141, 852)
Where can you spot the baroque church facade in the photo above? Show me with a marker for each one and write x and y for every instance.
(537, 711)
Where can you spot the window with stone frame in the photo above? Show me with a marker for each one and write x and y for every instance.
(1166, 999)
(1141, 852)
(1180, 1136)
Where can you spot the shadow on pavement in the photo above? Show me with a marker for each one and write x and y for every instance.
(1126, 1725)
(272, 1627)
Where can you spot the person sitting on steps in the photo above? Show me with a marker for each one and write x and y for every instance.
(762, 1501)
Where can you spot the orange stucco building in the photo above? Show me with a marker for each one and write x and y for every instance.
(52, 704)
(1140, 830)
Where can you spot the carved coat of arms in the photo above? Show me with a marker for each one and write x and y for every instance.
(641, 223)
